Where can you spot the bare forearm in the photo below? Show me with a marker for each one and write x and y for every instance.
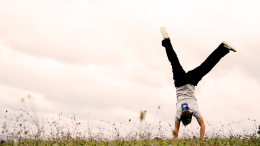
(176, 130)
(202, 127)
(202, 131)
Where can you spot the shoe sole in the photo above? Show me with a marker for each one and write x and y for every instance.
(164, 33)
(229, 46)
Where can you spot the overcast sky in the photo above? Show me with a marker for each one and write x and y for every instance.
(104, 60)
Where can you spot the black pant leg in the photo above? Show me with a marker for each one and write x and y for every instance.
(195, 75)
(179, 75)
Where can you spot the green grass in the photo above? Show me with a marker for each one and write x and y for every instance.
(250, 141)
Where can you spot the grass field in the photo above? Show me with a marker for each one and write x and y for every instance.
(23, 128)
(228, 141)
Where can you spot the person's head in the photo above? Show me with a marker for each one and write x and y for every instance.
(186, 117)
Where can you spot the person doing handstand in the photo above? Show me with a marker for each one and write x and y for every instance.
(185, 83)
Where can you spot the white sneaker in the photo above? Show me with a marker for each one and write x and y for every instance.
(164, 33)
(228, 46)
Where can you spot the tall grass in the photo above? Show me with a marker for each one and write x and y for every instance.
(23, 128)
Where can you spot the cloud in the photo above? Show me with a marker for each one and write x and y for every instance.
(228, 98)
(81, 86)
